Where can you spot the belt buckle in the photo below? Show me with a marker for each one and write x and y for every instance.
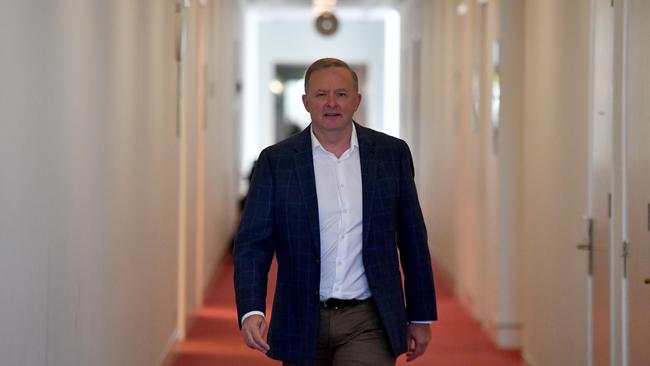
(330, 304)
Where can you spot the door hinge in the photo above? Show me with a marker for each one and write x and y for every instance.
(588, 240)
(624, 256)
(609, 205)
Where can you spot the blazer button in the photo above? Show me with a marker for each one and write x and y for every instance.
(318, 261)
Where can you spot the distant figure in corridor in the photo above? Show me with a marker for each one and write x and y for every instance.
(335, 203)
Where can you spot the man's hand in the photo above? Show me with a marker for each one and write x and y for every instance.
(419, 336)
(252, 330)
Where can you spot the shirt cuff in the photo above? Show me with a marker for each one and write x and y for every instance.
(255, 312)
(414, 321)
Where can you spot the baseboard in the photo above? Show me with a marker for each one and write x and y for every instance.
(506, 335)
(467, 301)
(528, 360)
(167, 356)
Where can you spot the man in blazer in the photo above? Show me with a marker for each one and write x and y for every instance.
(337, 205)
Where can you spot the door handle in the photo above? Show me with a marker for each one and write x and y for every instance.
(647, 281)
(583, 246)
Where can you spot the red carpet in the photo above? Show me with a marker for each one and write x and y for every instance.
(214, 339)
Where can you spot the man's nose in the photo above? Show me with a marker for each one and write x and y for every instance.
(331, 99)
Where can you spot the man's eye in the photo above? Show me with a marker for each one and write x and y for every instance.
(341, 94)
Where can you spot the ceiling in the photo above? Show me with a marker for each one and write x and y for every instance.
(309, 3)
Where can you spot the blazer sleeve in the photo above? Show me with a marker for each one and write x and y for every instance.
(254, 245)
(413, 246)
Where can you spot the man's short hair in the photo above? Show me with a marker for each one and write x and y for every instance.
(325, 63)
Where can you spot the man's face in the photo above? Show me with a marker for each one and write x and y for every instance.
(331, 99)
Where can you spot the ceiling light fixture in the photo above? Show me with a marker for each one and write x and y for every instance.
(461, 9)
(326, 21)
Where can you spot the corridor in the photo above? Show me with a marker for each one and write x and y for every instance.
(130, 128)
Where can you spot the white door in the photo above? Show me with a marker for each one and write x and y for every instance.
(636, 324)
(601, 187)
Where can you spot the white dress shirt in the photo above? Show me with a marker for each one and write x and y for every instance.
(340, 214)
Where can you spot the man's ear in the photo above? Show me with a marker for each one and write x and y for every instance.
(304, 101)
(359, 97)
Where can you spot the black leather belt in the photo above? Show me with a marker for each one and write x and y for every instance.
(341, 303)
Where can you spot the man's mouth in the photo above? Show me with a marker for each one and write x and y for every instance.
(332, 114)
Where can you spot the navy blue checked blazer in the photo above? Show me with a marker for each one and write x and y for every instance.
(281, 218)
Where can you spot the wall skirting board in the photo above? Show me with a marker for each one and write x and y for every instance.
(167, 355)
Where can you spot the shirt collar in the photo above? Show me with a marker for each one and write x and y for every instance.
(316, 145)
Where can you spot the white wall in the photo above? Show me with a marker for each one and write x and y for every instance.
(428, 123)
(89, 211)
(222, 130)
(209, 161)
(89, 183)
(638, 183)
(498, 289)
(504, 219)
(555, 176)
(467, 185)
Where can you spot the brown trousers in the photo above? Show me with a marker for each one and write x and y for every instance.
(352, 336)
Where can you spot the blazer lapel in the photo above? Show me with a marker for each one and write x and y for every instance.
(304, 165)
(368, 177)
